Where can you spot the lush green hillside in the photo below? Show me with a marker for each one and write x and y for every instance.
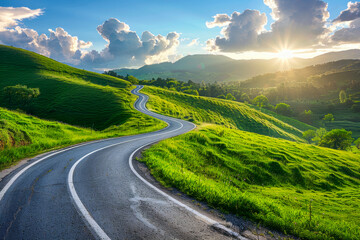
(272, 181)
(222, 112)
(67, 94)
(23, 135)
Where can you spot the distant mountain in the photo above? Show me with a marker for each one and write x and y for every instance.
(211, 68)
(336, 73)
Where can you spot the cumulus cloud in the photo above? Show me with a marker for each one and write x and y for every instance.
(349, 14)
(220, 20)
(10, 17)
(124, 47)
(299, 23)
(59, 45)
(241, 33)
(347, 35)
(349, 23)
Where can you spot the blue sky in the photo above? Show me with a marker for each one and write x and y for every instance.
(81, 18)
(188, 18)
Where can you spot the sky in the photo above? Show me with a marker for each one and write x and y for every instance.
(106, 34)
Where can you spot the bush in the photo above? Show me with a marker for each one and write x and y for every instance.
(261, 101)
(306, 116)
(342, 96)
(20, 94)
(329, 117)
(337, 139)
(132, 79)
(229, 96)
(319, 135)
(191, 91)
(309, 135)
(357, 143)
(283, 109)
(245, 98)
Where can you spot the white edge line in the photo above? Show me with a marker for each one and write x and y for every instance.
(17, 175)
(90, 221)
(198, 214)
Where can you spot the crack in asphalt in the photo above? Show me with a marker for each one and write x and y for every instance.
(135, 206)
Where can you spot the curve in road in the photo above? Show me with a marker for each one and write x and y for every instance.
(92, 190)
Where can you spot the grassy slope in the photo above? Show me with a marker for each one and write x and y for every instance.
(69, 95)
(22, 135)
(271, 181)
(222, 112)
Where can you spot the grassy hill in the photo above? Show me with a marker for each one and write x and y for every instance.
(271, 181)
(222, 112)
(67, 94)
(23, 135)
(316, 88)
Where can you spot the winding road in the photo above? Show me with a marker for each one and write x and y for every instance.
(93, 191)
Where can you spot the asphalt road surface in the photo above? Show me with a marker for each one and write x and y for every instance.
(92, 191)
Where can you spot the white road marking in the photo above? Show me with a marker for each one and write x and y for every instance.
(94, 227)
(16, 176)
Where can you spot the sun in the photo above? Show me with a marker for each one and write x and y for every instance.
(285, 54)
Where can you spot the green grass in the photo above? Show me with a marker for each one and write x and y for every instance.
(69, 95)
(221, 112)
(24, 136)
(271, 181)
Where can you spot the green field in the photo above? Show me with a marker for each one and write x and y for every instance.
(23, 136)
(99, 105)
(223, 112)
(67, 94)
(268, 180)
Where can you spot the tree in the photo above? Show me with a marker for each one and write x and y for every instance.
(306, 116)
(342, 96)
(20, 94)
(309, 135)
(319, 135)
(191, 91)
(245, 98)
(337, 139)
(111, 73)
(222, 96)
(357, 143)
(283, 109)
(329, 117)
(261, 101)
(132, 79)
(229, 96)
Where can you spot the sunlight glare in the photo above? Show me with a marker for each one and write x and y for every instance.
(285, 54)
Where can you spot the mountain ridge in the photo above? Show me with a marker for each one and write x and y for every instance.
(219, 68)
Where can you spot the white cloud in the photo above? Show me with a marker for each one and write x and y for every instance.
(220, 20)
(124, 48)
(59, 45)
(349, 14)
(241, 33)
(193, 42)
(10, 17)
(298, 24)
